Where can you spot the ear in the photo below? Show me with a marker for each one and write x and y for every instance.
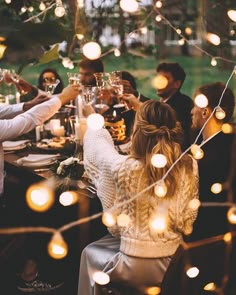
(205, 112)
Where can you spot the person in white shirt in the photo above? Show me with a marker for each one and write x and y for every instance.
(21, 118)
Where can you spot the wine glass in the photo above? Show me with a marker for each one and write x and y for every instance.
(50, 84)
(73, 79)
(101, 82)
(88, 94)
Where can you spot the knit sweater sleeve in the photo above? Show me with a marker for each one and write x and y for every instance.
(189, 191)
(101, 161)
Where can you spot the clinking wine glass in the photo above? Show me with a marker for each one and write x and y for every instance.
(73, 79)
(101, 83)
(50, 84)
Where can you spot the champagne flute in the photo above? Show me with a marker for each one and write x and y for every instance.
(73, 79)
(51, 84)
(101, 81)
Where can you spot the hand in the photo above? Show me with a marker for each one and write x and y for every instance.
(69, 93)
(127, 88)
(37, 100)
(132, 101)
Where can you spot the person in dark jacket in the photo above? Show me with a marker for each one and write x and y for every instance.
(172, 77)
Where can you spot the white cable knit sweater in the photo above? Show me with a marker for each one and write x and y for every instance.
(118, 178)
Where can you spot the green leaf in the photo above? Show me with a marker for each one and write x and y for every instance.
(50, 55)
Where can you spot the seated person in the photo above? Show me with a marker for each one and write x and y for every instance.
(138, 255)
(51, 74)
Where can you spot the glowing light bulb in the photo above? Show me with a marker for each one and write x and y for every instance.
(227, 128)
(80, 36)
(108, 219)
(231, 215)
(160, 189)
(194, 204)
(188, 31)
(57, 247)
(216, 188)
(192, 272)
(2, 50)
(227, 237)
(213, 39)
(201, 100)
(159, 82)
(92, 50)
(101, 278)
(159, 160)
(42, 6)
(210, 287)
(8, 1)
(59, 10)
(158, 4)
(158, 18)
(39, 197)
(214, 62)
(181, 42)
(153, 290)
(158, 223)
(178, 31)
(31, 9)
(95, 121)
(232, 15)
(23, 9)
(68, 198)
(196, 151)
(117, 52)
(220, 113)
(123, 220)
(144, 30)
(130, 6)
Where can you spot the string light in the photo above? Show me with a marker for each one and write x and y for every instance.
(159, 160)
(196, 151)
(227, 238)
(8, 1)
(40, 196)
(158, 223)
(42, 6)
(101, 278)
(92, 50)
(201, 100)
(192, 272)
(181, 42)
(153, 290)
(158, 4)
(188, 31)
(227, 128)
(117, 52)
(31, 9)
(109, 219)
(130, 6)
(57, 247)
(59, 10)
(220, 113)
(68, 198)
(2, 50)
(160, 188)
(232, 15)
(213, 62)
(216, 188)
(80, 36)
(210, 287)
(159, 82)
(23, 9)
(158, 18)
(194, 204)
(231, 215)
(213, 39)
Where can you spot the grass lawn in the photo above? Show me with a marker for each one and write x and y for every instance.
(198, 71)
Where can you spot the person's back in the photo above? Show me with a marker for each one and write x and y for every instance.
(157, 222)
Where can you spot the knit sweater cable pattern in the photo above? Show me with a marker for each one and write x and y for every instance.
(119, 178)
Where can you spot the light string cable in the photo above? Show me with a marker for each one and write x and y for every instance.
(188, 42)
(51, 5)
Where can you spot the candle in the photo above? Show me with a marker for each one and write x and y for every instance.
(54, 123)
(80, 107)
(76, 128)
(113, 118)
(59, 131)
(37, 133)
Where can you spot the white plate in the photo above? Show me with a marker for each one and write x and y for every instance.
(15, 148)
(39, 164)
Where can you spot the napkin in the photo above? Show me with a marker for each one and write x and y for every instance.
(37, 158)
(14, 144)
